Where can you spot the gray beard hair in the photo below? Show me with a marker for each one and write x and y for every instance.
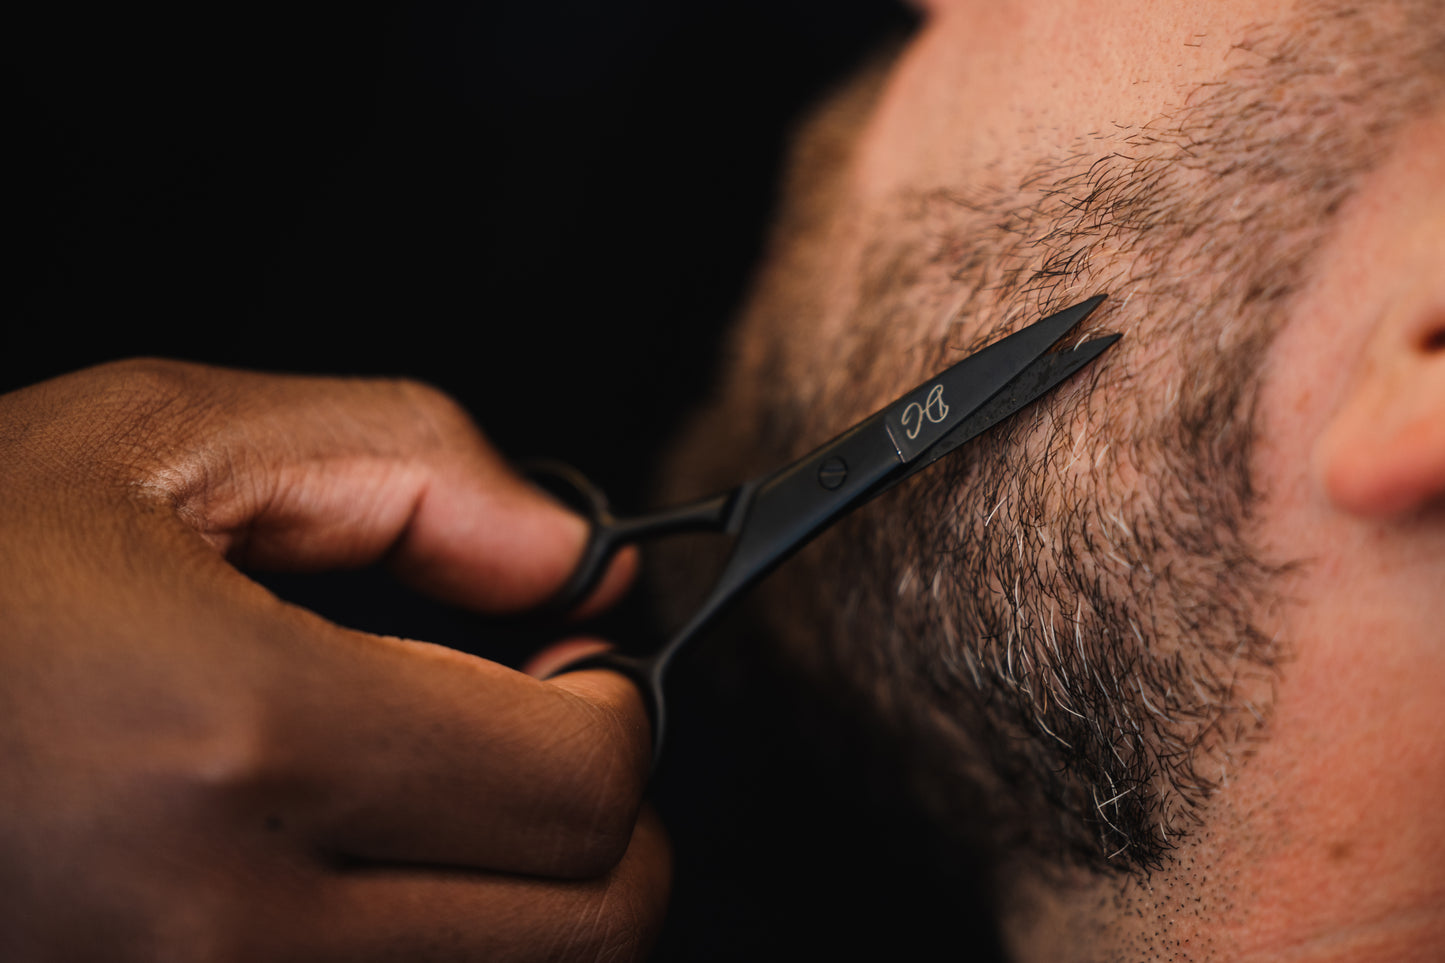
(1067, 624)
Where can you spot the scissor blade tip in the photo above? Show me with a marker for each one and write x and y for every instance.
(1096, 346)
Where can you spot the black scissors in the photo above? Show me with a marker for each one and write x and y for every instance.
(773, 516)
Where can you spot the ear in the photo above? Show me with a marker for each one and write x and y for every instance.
(1383, 452)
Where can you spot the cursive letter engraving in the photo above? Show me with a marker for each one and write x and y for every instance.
(915, 413)
(933, 408)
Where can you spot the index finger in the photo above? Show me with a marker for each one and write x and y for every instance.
(305, 473)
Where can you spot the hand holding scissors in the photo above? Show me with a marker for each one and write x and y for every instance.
(196, 768)
(771, 517)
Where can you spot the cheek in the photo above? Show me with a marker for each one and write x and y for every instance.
(1355, 763)
(1351, 774)
(1354, 767)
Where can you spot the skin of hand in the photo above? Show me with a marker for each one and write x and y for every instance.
(194, 769)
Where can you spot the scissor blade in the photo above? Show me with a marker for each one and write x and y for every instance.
(1037, 380)
(918, 420)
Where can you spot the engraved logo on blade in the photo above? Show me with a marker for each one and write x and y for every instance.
(933, 409)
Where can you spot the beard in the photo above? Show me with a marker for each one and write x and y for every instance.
(1067, 627)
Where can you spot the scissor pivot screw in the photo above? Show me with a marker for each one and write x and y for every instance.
(832, 473)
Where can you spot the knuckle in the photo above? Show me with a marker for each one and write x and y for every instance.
(611, 777)
(236, 770)
(108, 418)
(144, 394)
(439, 413)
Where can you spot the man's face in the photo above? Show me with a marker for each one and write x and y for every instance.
(1187, 616)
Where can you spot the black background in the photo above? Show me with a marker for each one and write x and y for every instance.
(549, 210)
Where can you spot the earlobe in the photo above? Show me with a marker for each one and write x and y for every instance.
(1383, 452)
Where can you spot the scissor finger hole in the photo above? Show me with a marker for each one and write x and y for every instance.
(568, 485)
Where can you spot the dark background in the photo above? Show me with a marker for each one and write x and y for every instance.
(583, 185)
(578, 187)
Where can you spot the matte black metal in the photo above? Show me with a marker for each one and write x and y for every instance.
(774, 517)
(608, 534)
(927, 413)
(1037, 380)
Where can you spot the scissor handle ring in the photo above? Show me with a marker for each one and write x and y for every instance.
(577, 492)
(567, 485)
